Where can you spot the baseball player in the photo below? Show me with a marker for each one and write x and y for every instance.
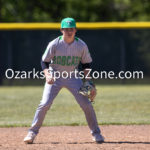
(64, 54)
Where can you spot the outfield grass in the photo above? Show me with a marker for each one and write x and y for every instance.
(128, 104)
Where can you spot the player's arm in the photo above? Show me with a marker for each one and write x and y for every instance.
(86, 68)
(45, 61)
(45, 68)
(88, 83)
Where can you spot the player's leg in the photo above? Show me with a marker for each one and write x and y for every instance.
(50, 92)
(74, 85)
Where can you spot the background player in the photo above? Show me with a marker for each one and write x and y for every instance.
(64, 54)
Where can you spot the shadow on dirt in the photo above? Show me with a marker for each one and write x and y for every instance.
(126, 142)
(106, 142)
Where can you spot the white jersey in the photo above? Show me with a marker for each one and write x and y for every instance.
(66, 57)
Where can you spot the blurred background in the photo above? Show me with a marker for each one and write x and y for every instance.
(114, 46)
(112, 49)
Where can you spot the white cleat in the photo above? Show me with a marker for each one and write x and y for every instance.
(98, 138)
(29, 138)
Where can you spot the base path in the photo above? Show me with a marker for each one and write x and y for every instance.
(133, 137)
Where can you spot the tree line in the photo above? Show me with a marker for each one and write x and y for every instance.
(81, 10)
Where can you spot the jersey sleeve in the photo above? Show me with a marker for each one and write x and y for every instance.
(86, 57)
(49, 52)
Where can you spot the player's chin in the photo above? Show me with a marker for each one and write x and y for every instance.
(70, 36)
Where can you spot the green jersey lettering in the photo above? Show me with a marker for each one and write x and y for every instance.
(72, 63)
(58, 59)
(68, 57)
(66, 60)
(76, 60)
(63, 60)
(54, 60)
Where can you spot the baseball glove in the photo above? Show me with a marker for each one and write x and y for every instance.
(88, 89)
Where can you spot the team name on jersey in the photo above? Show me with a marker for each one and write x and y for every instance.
(66, 60)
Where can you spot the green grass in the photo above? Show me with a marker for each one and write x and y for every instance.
(128, 104)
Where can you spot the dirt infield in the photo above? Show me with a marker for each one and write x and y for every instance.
(78, 138)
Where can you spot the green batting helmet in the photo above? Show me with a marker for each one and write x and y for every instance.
(68, 23)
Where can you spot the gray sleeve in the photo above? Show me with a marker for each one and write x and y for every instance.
(49, 52)
(86, 57)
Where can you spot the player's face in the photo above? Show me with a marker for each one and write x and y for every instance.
(69, 32)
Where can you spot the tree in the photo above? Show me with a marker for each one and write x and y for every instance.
(85, 10)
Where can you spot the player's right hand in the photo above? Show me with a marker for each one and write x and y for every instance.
(48, 76)
(49, 80)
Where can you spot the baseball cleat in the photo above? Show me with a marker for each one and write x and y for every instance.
(98, 138)
(29, 138)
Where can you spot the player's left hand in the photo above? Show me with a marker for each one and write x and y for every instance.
(88, 89)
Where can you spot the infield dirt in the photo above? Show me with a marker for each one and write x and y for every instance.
(133, 137)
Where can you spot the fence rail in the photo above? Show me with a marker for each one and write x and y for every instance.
(80, 25)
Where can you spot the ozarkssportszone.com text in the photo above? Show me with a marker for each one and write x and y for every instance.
(33, 74)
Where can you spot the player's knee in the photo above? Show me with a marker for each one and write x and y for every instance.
(86, 106)
(45, 106)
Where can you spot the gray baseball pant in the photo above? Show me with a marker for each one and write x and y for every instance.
(49, 94)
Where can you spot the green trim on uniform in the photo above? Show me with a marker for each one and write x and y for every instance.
(60, 37)
(45, 52)
(77, 39)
